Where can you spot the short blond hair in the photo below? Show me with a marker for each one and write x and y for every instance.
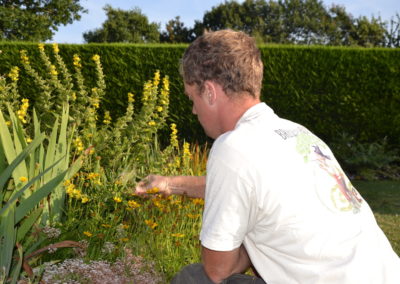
(229, 58)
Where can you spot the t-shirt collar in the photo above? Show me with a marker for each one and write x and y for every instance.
(254, 111)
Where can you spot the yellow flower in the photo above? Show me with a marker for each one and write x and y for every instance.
(117, 199)
(73, 96)
(24, 57)
(89, 234)
(41, 46)
(193, 216)
(8, 123)
(28, 140)
(130, 98)
(53, 70)
(151, 123)
(14, 74)
(160, 109)
(198, 201)
(85, 199)
(178, 235)
(107, 118)
(133, 204)
(23, 179)
(77, 61)
(151, 223)
(186, 151)
(124, 240)
(96, 58)
(156, 80)
(55, 48)
(125, 226)
(153, 190)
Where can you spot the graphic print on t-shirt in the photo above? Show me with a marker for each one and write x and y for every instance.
(341, 196)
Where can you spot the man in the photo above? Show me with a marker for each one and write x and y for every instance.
(275, 197)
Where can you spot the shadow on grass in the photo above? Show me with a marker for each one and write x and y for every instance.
(382, 196)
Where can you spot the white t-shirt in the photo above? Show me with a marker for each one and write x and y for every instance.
(277, 188)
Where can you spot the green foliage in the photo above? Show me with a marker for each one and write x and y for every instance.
(329, 90)
(295, 21)
(124, 26)
(368, 161)
(36, 20)
(31, 174)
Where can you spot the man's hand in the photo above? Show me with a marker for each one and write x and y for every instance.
(154, 184)
(192, 186)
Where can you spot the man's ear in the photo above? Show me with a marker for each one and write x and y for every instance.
(210, 92)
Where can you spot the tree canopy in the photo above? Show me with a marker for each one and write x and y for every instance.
(124, 26)
(36, 20)
(295, 21)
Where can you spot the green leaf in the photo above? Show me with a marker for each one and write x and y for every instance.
(27, 224)
(17, 268)
(4, 176)
(7, 237)
(18, 193)
(37, 196)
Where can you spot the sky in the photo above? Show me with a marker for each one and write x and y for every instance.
(161, 11)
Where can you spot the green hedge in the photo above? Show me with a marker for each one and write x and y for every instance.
(330, 90)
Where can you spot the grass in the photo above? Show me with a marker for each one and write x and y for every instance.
(384, 199)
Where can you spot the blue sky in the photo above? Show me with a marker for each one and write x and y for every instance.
(161, 11)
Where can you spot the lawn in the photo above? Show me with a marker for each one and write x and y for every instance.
(384, 199)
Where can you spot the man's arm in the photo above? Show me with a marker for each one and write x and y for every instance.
(192, 186)
(219, 265)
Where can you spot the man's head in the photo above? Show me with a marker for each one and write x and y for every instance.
(226, 57)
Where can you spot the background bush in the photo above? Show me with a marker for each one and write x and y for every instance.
(330, 90)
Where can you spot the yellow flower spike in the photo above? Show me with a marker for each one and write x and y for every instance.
(41, 46)
(77, 61)
(24, 57)
(186, 150)
(131, 98)
(117, 199)
(53, 70)
(55, 48)
(156, 80)
(178, 235)
(14, 74)
(23, 179)
(107, 118)
(88, 234)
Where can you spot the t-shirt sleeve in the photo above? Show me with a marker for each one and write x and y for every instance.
(229, 204)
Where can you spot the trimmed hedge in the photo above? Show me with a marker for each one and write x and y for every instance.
(330, 90)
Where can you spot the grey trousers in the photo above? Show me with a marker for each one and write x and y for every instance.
(195, 274)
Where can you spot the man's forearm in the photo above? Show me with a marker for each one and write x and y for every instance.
(219, 265)
(192, 186)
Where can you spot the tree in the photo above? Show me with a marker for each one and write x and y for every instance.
(36, 20)
(294, 21)
(124, 26)
(176, 32)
